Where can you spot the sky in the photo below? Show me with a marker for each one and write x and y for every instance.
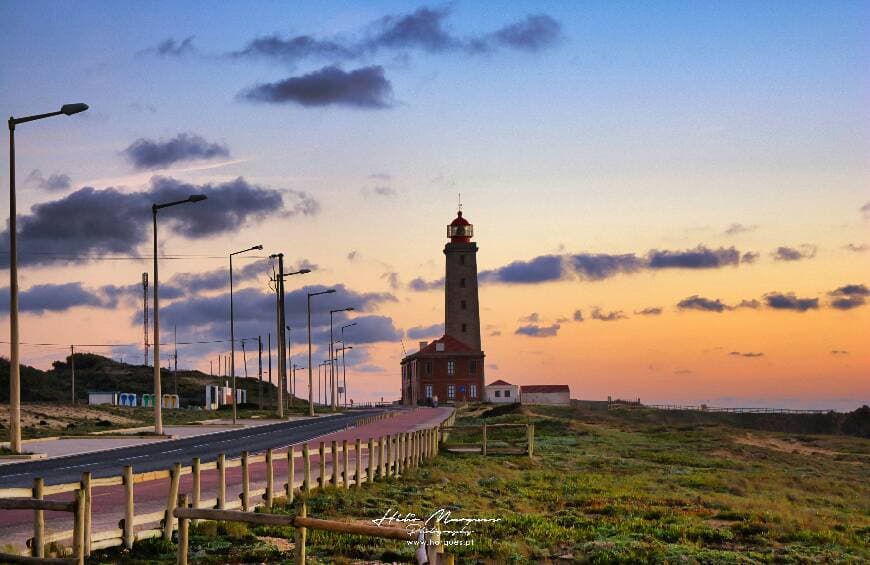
(670, 200)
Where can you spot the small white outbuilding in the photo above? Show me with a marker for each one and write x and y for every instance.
(501, 392)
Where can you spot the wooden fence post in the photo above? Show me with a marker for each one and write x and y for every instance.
(483, 449)
(345, 464)
(306, 468)
(127, 534)
(357, 453)
(270, 479)
(386, 443)
(86, 491)
(382, 461)
(291, 473)
(171, 500)
(370, 475)
(246, 483)
(322, 478)
(301, 535)
(182, 533)
(37, 548)
(531, 429)
(398, 468)
(222, 481)
(79, 527)
(334, 460)
(197, 481)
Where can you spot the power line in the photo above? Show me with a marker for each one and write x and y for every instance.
(64, 345)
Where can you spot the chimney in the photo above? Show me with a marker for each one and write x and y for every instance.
(423, 344)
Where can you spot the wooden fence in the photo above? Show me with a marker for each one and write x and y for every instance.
(485, 446)
(39, 507)
(705, 408)
(387, 456)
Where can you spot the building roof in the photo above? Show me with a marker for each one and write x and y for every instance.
(545, 388)
(500, 383)
(452, 346)
(459, 220)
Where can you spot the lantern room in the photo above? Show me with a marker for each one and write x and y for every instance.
(460, 230)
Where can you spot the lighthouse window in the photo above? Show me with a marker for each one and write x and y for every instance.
(451, 391)
(451, 367)
(461, 283)
(462, 305)
(463, 328)
(428, 367)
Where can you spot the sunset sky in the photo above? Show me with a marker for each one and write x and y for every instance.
(671, 199)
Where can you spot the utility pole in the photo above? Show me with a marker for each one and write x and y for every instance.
(269, 347)
(282, 378)
(290, 364)
(145, 313)
(72, 366)
(260, 365)
(175, 375)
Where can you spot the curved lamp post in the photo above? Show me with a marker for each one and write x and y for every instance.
(14, 367)
(310, 376)
(232, 329)
(333, 385)
(158, 396)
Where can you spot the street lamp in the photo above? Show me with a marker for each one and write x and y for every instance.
(343, 348)
(14, 368)
(158, 397)
(293, 370)
(343, 365)
(289, 356)
(310, 377)
(232, 327)
(333, 390)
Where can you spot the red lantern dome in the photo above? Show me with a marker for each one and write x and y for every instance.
(460, 230)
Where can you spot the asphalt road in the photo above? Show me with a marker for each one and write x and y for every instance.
(162, 454)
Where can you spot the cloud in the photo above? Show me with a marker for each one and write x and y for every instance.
(861, 248)
(578, 315)
(865, 210)
(849, 296)
(352, 255)
(597, 314)
(600, 266)
(172, 48)
(652, 311)
(784, 253)
(148, 154)
(737, 228)
(751, 304)
(366, 88)
(420, 285)
(839, 352)
(42, 298)
(423, 29)
(535, 33)
(747, 354)
(540, 269)
(384, 191)
(699, 258)
(780, 301)
(533, 317)
(420, 332)
(219, 279)
(392, 279)
(91, 222)
(294, 49)
(56, 182)
(749, 257)
(534, 330)
(696, 302)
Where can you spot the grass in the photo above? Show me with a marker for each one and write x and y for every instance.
(602, 488)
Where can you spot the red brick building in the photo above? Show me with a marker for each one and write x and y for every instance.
(450, 368)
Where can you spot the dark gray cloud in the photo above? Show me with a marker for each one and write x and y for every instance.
(652, 311)
(748, 354)
(534, 330)
(540, 269)
(366, 88)
(860, 248)
(42, 298)
(534, 33)
(699, 258)
(219, 279)
(784, 253)
(849, 296)
(173, 48)
(392, 278)
(56, 182)
(295, 49)
(533, 317)
(422, 29)
(420, 332)
(788, 301)
(578, 315)
(419, 284)
(149, 154)
(749, 257)
(598, 314)
(696, 302)
(738, 228)
(599, 266)
(751, 304)
(91, 222)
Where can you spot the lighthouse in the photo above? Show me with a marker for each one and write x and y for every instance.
(450, 368)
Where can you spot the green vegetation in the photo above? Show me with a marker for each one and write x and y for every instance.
(604, 487)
